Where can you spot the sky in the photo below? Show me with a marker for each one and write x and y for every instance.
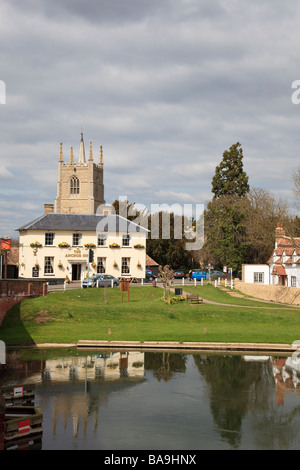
(164, 86)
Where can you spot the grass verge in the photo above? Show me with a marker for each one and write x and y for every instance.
(66, 317)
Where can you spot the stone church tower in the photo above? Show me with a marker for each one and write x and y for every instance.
(80, 188)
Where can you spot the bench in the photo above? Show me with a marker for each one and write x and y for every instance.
(194, 298)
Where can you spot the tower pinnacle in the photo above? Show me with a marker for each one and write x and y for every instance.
(81, 158)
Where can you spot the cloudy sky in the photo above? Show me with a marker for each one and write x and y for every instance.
(165, 86)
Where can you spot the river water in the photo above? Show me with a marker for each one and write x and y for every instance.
(136, 400)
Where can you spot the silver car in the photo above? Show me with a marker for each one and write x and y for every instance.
(92, 281)
(107, 280)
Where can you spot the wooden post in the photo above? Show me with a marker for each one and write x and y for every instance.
(2, 421)
(5, 265)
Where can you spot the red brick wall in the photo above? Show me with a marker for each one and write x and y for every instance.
(13, 291)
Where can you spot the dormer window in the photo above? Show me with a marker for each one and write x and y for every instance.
(74, 185)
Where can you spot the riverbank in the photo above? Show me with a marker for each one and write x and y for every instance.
(222, 321)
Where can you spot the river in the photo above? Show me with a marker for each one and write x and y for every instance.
(135, 400)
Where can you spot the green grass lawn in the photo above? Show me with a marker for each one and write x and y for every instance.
(209, 292)
(66, 317)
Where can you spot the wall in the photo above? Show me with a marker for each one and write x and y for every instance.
(91, 188)
(248, 271)
(66, 256)
(286, 295)
(13, 291)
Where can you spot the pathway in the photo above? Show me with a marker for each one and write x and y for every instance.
(235, 294)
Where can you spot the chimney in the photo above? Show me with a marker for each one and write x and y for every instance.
(279, 231)
(48, 208)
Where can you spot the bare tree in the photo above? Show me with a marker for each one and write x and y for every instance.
(296, 188)
(166, 275)
(263, 211)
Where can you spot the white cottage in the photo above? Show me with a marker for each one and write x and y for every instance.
(284, 263)
(283, 267)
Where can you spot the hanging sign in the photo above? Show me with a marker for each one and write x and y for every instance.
(5, 244)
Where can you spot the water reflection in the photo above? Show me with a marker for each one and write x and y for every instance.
(161, 400)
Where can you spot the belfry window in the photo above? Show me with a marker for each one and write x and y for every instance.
(74, 185)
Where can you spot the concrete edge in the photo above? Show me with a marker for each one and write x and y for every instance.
(173, 345)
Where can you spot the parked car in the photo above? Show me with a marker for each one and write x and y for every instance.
(179, 274)
(215, 274)
(197, 274)
(149, 275)
(107, 280)
(92, 281)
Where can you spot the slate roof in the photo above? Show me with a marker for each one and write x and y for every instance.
(85, 222)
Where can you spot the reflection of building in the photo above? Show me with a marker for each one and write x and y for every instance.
(90, 371)
(285, 371)
(98, 375)
(91, 368)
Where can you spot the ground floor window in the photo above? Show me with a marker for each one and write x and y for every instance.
(101, 264)
(49, 263)
(125, 265)
(259, 277)
(293, 281)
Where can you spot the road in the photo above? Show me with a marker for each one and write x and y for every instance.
(77, 284)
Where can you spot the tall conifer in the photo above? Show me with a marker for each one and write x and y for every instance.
(230, 179)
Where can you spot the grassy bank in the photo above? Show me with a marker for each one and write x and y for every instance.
(66, 317)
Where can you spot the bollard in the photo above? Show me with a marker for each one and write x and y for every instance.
(142, 282)
(195, 281)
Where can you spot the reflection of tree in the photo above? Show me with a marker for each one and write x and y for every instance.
(275, 430)
(163, 365)
(233, 384)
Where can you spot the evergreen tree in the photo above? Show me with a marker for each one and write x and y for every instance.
(225, 233)
(230, 179)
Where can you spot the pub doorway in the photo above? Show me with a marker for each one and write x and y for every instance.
(76, 272)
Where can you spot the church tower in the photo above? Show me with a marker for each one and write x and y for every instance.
(80, 188)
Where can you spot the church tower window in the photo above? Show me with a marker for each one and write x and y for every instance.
(74, 185)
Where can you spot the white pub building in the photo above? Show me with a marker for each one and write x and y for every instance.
(56, 245)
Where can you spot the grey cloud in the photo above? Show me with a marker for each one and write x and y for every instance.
(164, 86)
